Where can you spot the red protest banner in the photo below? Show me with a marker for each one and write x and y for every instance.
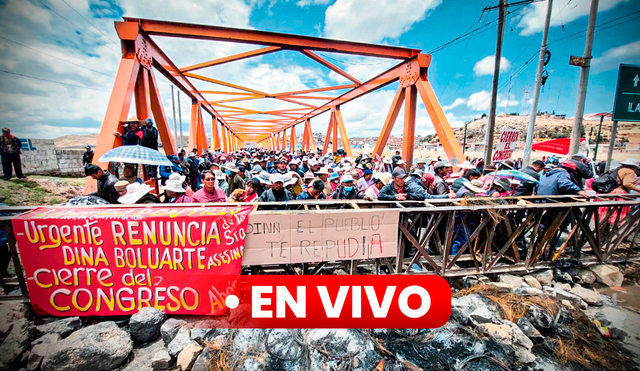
(114, 261)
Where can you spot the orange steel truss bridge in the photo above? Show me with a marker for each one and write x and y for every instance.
(276, 129)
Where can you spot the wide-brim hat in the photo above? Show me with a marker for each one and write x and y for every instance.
(466, 165)
(474, 186)
(386, 160)
(135, 191)
(502, 183)
(174, 183)
(133, 119)
(219, 175)
(309, 175)
(231, 167)
(630, 162)
(322, 171)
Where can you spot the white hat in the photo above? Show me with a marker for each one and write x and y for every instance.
(135, 191)
(401, 162)
(295, 161)
(288, 180)
(382, 177)
(474, 186)
(192, 154)
(309, 175)
(466, 165)
(174, 183)
(264, 178)
(322, 170)
(630, 162)
(219, 174)
(277, 177)
(305, 158)
(346, 178)
(231, 167)
(313, 162)
(386, 160)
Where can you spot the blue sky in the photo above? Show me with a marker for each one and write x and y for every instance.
(59, 57)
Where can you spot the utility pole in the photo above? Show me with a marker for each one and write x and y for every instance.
(464, 143)
(488, 150)
(595, 151)
(576, 130)
(173, 108)
(612, 145)
(180, 119)
(526, 160)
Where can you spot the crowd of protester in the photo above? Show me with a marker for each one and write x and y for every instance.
(261, 175)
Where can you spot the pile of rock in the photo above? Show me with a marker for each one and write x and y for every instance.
(478, 332)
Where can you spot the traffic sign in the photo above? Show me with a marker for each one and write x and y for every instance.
(627, 103)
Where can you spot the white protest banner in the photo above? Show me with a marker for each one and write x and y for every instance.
(505, 147)
(278, 238)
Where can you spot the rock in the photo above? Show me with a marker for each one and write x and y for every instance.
(188, 356)
(565, 295)
(484, 279)
(513, 281)
(561, 276)
(502, 286)
(39, 349)
(539, 317)
(469, 281)
(462, 307)
(532, 281)
(341, 342)
(181, 340)
(589, 296)
(61, 327)
(529, 329)
(549, 291)
(528, 291)
(521, 343)
(161, 360)
(170, 328)
(587, 277)
(10, 312)
(501, 333)
(201, 334)
(203, 361)
(545, 277)
(563, 286)
(607, 274)
(567, 304)
(143, 357)
(17, 341)
(102, 346)
(145, 325)
(482, 315)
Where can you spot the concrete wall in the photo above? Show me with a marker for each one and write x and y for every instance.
(39, 156)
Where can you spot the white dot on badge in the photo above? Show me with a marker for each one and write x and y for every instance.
(232, 301)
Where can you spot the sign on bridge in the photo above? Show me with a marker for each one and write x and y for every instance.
(627, 103)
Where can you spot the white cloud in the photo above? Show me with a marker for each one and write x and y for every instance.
(456, 103)
(612, 58)
(234, 13)
(485, 66)
(479, 101)
(563, 12)
(374, 20)
(508, 103)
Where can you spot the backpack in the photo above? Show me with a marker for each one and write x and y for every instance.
(607, 182)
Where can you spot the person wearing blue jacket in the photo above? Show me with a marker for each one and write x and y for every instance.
(399, 190)
(558, 182)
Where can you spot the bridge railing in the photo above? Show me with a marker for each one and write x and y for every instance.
(462, 236)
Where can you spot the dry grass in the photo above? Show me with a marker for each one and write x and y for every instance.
(584, 346)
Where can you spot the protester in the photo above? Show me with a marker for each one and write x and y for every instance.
(10, 150)
(210, 192)
(500, 188)
(251, 191)
(236, 181)
(193, 171)
(469, 175)
(277, 192)
(121, 187)
(132, 133)
(315, 191)
(398, 190)
(442, 171)
(346, 190)
(87, 156)
(129, 174)
(175, 192)
(105, 183)
(379, 180)
(526, 187)
(583, 169)
(323, 175)
(470, 188)
(558, 182)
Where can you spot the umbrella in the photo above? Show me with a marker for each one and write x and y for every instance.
(514, 175)
(135, 155)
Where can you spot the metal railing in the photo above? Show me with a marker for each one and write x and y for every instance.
(463, 236)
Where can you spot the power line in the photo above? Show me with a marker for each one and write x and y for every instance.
(53, 56)
(52, 81)
(94, 26)
(100, 42)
